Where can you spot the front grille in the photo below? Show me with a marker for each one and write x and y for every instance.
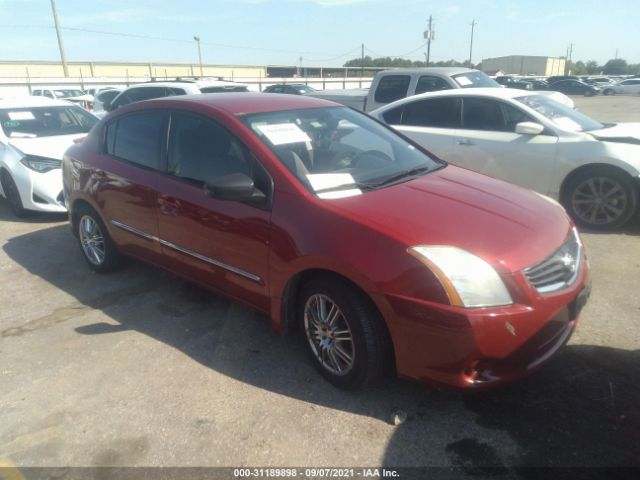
(558, 270)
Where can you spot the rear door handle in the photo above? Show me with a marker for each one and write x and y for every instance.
(465, 142)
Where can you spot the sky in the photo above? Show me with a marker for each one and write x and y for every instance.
(322, 32)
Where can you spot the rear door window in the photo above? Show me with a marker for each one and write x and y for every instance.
(484, 114)
(392, 88)
(137, 138)
(434, 112)
(427, 83)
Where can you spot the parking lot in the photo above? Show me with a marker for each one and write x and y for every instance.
(141, 368)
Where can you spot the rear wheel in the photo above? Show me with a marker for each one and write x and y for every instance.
(97, 246)
(608, 91)
(345, 335)
(601, 198)
(12, 194)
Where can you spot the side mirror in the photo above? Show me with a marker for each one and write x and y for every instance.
(107, 106)
(235, 187)
(529, 128)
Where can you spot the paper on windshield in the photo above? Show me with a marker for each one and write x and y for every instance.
(463, 81)
(340, 194)
(20, 116)
(323, 181)
(283, 133)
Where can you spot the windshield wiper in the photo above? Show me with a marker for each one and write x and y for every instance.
(412, 172)
(348, 186)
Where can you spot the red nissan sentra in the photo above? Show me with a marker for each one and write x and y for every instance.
(383, 256)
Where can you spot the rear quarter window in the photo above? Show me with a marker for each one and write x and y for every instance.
(137, 138)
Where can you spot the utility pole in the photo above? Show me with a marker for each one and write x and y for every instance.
(568, 61)
(473, 24)
(616, 53)
(429, 35)
(197, 39)
(65, 69)
(362, 62)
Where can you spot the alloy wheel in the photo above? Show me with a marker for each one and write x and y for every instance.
(329, 334)
(92, 240)
(599, 200)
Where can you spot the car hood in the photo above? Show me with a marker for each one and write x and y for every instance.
(620, 133)
(508, 226)
(51, 147)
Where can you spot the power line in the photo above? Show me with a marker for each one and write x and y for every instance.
(181, 40)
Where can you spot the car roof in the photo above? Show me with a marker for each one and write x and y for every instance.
(197, 84)
(26, 102)
(238, 103)
(441, 70)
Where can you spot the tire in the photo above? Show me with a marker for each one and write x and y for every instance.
(12, 195)
(96, 245)
(601, 198)
(326, 333)
(588, 93)
(609, 92)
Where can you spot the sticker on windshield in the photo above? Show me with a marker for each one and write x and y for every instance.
(325, 181)
(283, 133)
(20, 116)
(10, 124)
(463, 81)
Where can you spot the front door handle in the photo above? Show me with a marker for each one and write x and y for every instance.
(465, 142)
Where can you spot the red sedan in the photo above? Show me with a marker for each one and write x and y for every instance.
(383, 256)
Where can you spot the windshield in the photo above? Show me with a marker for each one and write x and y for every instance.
(337, 152)
(474, 80)
(563, 116)
(68, 93)
(303, 89)
(45, 121)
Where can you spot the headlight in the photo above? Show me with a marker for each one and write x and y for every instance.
(40, 164)
(468, 280)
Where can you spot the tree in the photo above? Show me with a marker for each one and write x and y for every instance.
(578, 68)
(593, 67)
(383, 62)
(616, 66)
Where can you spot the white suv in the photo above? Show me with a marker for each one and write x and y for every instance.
(147, 91)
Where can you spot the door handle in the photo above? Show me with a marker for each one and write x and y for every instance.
(465, 142)
(169, 206)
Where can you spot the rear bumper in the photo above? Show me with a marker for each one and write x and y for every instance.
(474, 349)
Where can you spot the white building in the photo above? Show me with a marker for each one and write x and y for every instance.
(526, 65)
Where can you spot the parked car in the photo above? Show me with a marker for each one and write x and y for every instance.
(147, 91)
(514, 82)
(69, 94)
(540, 85)
(326, 220)
(101, 97)
(34, 133)
(391, 85)
(629, 87)
(574, 87)
(558, 78)
(290, 88)
(601, 82)
(532, 141)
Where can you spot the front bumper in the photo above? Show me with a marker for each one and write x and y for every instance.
(39, 191)
(479, 348)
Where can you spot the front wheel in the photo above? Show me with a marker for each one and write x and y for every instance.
(601, 198)
(12, 195)
(609, 92)
(346, 337)
(97, 246)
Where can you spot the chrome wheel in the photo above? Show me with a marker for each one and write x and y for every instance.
(329, 334)
(600, 200)
(92, 240)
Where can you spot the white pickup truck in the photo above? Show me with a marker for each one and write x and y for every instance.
(391, 85)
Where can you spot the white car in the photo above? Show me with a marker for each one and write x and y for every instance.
(149, 90)
(630, 86)
(34, 134)
(101, 97)
(531, 140)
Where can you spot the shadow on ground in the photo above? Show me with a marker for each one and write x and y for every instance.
(582, 410)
